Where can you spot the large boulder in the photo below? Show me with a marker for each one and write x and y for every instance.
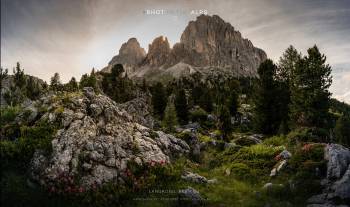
(337, 183)
(96, 142)
(338, 158)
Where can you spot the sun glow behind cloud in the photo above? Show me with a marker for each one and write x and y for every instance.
(71, 37)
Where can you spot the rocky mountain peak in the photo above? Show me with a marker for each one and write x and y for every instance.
(211, 41)
(131, 54)
(158, 51)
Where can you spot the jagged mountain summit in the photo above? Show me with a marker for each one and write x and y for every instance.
(207, 45)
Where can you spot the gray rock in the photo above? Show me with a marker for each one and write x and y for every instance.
(278, 167)
(96, 110)
(318, 199)
(194, 178)
(285, 154)
(337, 183)
(89, 92)
(273, 172)
(212, 181)
(341, 187)
(189, 195)
(338, 158)
(140, 110)
(101, 142)
(67, 117)
(171, 144)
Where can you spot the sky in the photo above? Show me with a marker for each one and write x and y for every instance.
(72, 37)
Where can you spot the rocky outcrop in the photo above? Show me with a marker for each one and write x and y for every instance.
(337, 183)
(208, 45)
(97, 140)
(140, 110)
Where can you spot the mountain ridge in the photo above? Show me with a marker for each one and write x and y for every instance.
(207, 42)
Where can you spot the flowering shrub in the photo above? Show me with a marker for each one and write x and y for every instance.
(65, 185)
(141, 176)
(308, 160)
(306, 148)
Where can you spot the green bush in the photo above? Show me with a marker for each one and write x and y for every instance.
(186, 136)
(258, 151)
(198, 115)
(8, 114)
(276, 141)
(307, 159)
(242, 171)
(31, 138)
(308, 135)
(204, 138)
(258, 157)
(8, 150)
(245, 141)
(10, 131)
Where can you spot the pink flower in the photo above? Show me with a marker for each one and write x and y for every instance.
(81, 190)
(278, 157)
(307, 147)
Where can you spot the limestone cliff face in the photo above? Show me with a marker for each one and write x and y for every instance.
(210, 41)
(206, 43)
(158, 52)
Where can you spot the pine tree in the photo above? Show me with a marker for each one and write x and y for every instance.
(117, 85)
(144, 86)
(197, 92)
(33, 90)
(309, 90)
(266, 120)
(342, 130)
(287, 64)
(181, 106)
(84, 81)
(3, 75)
(206, 100)
(285, 69)
(19, 77)
(170, 118)
(159, 100)
(92, 81)
(55, 83)
(233, 103)
(72, 85)
(225, 124)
